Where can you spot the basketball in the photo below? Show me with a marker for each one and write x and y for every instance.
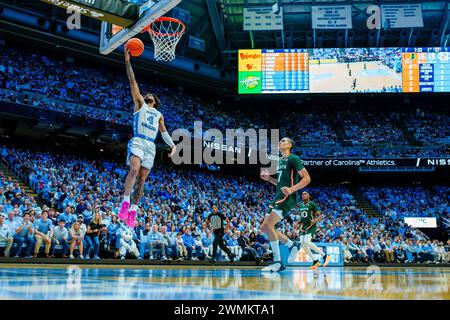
(135, 46)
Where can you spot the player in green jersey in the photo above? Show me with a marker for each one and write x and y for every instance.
(310, 215)
(292, 176)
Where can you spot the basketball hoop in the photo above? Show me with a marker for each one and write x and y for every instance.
(165, 33)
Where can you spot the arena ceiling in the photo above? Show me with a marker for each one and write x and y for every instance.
(220, 24)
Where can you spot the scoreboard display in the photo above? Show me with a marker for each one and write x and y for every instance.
(342, 70)
(285, 71)
(426, 69)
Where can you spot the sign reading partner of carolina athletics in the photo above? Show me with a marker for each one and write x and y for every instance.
(116, 12)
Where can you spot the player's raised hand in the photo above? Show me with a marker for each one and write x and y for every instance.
(265, 174)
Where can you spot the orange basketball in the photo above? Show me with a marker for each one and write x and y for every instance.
(135, 46)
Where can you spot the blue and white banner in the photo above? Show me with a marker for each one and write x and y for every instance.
(402, 15)
(181, 14)
(257, 19)
(196, 43)
(331, 17)
(334, 250)
(421, 222)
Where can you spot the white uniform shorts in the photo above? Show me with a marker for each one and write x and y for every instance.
(143, 149)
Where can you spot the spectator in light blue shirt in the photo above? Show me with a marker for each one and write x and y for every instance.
(189, 243)
(60, 237)
(68, 216)
(2, 198)
(23, 234)
(42, 232)
(5, 235)
(155, 241)
(143, 238)
(207, 241)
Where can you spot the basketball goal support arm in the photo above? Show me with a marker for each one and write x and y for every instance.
(110, 43)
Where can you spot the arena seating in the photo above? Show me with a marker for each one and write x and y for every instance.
(40, 81)
(65, 180)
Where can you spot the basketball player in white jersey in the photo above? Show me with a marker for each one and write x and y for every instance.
(141, 148)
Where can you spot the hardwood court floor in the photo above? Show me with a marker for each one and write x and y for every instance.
(38, 282)
(334, 77)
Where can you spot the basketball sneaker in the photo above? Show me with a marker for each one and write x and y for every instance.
(316, 264)
(293, 251)
(131, 218)
(276, 266)
(123, 214)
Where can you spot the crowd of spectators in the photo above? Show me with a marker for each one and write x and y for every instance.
(83, 197)
(310, 129)
(400, 202)
(51, 83)
(63, 86)
(362, 128)
(428, 127)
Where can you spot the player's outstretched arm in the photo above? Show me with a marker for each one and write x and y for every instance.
(166, 136)
(135, 93)
(265, 175)
(304, 181)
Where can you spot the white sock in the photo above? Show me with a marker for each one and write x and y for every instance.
(315, 248)
(289, 243)
(276, 250)
(126, 198)
(134, 207)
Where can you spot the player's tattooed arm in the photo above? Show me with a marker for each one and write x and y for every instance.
(135, 93)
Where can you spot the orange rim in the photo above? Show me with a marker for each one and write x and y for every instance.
(159, 34)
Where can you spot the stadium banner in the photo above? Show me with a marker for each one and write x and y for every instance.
(331, 17)
(402, 15)
(334, 250)
(250, 71)
(421, 222)
(262, 18)
(116, 12)
(181, 14)
(196, 43)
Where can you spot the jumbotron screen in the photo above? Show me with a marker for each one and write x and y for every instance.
(344, 70)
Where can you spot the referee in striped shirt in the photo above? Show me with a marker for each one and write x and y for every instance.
(216, 219)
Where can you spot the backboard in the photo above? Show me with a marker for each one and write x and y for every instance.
(112, 37)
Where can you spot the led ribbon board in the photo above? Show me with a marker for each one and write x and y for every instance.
(116, 12)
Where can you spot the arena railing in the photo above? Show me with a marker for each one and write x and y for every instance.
(121, 115)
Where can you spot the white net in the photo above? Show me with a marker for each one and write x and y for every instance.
(166, 33)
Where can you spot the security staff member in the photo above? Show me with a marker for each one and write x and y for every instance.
(215, 219)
